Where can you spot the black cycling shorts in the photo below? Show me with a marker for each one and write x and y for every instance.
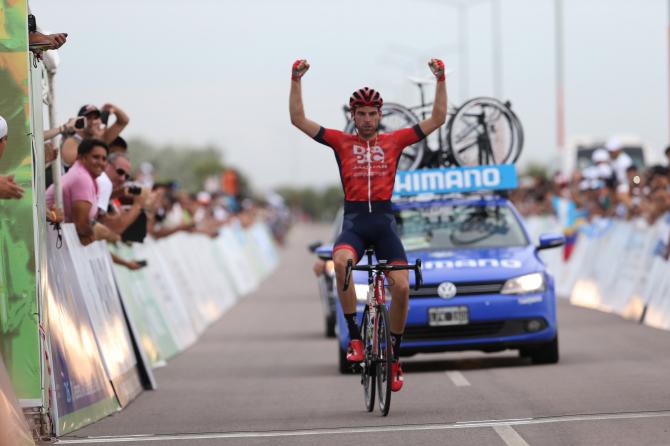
(361, 229)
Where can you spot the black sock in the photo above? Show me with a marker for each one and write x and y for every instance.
(354, 332)
(396, 339)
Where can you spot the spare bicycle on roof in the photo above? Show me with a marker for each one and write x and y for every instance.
(481, 131)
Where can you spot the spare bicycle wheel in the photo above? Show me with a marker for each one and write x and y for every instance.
(484, 131)
(396, 117)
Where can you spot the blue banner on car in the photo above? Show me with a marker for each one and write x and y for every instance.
(455, 179)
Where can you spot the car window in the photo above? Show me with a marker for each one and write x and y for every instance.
(463, 226)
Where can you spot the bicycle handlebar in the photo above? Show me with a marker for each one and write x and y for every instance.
(381, 267)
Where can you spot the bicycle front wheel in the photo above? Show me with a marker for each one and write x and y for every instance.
(368, 374)
(384, 359)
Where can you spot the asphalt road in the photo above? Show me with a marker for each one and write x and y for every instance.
(265, 375)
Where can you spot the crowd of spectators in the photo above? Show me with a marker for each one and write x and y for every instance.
(612, 187)
(105, 200)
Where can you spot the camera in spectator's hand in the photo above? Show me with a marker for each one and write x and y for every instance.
(134, 189)
(80, 122)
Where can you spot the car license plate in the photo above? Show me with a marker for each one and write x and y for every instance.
(448, 316)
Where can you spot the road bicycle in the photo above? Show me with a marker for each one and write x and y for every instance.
(481, 131)
(376, 370)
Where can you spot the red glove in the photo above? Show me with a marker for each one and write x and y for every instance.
(437, 67)
(300, 67)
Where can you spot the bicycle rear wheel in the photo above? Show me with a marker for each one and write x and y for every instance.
(368, 374)
(384, 359)
(395, 117)
(484, 118)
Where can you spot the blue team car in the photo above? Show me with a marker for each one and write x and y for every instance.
(484, 285)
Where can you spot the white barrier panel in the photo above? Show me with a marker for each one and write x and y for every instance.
(167, 293)
(268, 254)
(141, 302)
(657, 292)
(616, 267)
(237, 264)
(81, 388)
(93, 270)
(174, 266)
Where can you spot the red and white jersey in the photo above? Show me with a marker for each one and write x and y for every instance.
(368, 168)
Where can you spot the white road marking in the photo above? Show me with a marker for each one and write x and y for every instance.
(458, 379)
(368, 430)
(509, 435)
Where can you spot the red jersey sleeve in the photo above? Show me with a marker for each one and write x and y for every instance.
(407, 136)
(329, 137)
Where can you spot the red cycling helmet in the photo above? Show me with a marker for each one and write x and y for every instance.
(365, 97)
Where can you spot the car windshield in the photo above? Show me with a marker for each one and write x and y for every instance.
(459, 226)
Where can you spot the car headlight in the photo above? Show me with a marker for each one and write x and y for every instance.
(529, 283)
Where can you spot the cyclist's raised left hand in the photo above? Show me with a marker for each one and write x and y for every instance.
(437, 67)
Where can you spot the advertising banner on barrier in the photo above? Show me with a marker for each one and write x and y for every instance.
(167, 293)
(147, 315)
(174, 267)
(234, 257)
(82, 389)
(19, 334)
(93, 270)
(455, 180)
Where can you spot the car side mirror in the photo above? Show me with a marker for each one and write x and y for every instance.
(551, 240)
(325, 252)
(312, 247)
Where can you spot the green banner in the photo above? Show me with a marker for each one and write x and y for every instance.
(19, 335)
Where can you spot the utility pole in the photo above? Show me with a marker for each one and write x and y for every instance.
(560, 104)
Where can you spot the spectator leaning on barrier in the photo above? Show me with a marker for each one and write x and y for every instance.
(40, 42)
(80, 191)
(111, 185)
(94, 126)
(8, 187)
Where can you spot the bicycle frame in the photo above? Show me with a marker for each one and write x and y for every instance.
(376, 296)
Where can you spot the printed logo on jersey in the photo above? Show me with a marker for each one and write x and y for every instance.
(361, 154)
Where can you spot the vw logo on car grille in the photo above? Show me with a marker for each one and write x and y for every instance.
(446, 290)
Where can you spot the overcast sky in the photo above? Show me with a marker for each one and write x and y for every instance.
(207, 71)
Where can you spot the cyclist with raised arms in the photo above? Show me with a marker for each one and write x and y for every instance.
(368, 161)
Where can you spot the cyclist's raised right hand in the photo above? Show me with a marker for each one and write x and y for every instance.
(300, 67)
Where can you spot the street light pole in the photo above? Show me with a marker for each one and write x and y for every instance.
(463, 56)
(463, 51)
(560, 105)
(496, 47)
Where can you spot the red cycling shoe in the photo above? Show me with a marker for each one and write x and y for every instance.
(397, 379)
(355, 351)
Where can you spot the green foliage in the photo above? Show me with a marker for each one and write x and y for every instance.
(536, 170)
(189, 165)
(319, 204)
